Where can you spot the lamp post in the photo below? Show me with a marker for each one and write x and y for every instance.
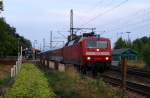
(34, 49)
(128, 36)
(34, 43)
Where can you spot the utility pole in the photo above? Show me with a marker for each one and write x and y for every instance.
(34, 43)
(93, 29)
(72, 35)
(128, 36)
(40, 47)
(43, 44)
(71, 22)
(51, 40)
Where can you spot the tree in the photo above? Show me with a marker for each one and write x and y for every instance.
(139, 44)
(9, 40)
(120, 43)
(146, 54)
(1, 5)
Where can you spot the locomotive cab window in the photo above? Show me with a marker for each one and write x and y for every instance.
(96, 44)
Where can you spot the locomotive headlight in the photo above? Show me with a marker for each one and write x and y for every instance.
(88, 58)
(107, 58)
(97, 50)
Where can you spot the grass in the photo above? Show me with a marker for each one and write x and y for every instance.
(139, 64)
(30, 83)
(70, 84)
(136, 64)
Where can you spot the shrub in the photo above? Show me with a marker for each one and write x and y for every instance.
(146, 55)
(5, 81)
(71, 84)
(30, 83)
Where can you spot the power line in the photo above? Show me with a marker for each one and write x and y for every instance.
(141, 26)
(62, 34)
(105, 12)
(127, 21)
(134, 15)
(92, 8)
(98, 4)
(130, 25)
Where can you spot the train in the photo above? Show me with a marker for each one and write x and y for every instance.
(87, 52)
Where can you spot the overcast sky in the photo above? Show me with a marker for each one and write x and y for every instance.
(34, 19)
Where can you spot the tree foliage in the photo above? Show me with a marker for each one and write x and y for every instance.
(141, 45)
(146, 54)
(1, 6)
(120, 44)
(10, 40)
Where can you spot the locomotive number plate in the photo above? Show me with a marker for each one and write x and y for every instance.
(97, 53)
(104, 53)
(92, 53)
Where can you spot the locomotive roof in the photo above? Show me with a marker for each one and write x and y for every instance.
(103, 38)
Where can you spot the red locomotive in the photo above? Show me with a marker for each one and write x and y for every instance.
(88, 51)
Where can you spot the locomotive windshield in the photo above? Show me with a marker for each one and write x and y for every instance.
(96, 44)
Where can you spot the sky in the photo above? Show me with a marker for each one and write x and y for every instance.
(112, 18)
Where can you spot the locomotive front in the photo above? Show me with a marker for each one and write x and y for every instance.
(97, 52)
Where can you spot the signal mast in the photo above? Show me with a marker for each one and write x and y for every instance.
(72, 34)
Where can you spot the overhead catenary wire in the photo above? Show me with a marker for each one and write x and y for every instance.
(96, 5)
(129, 24)
(62, 34)
(135, 26)
(101, 5)
(124, 21)
(105, 12)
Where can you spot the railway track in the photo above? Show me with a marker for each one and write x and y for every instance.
(133, 71)
(135, 87)
(132, 85)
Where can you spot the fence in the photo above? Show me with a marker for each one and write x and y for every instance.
(16, 68)
(14, 71)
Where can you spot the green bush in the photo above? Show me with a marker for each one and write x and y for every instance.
(5, 81)
(30, 83)
(73, 85)
(146, 55)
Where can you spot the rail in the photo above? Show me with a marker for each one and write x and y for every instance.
(136, 87)
(134, 71)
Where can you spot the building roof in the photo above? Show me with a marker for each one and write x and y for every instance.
(122, 50)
